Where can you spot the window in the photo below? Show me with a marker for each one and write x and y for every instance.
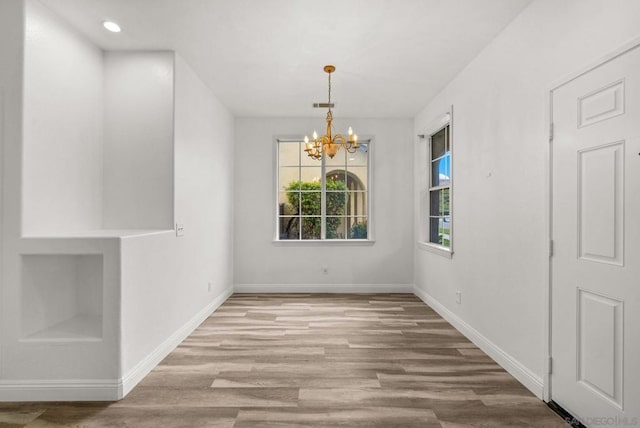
(440, 188)
(326, 199)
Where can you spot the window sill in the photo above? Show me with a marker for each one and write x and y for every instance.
(323, 242)
(435, 249)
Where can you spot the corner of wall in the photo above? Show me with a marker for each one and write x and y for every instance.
(130, 379)
(525, 376)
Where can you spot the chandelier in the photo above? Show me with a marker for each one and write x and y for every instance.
(328, 143)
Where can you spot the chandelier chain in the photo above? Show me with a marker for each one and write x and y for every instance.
(329, 91)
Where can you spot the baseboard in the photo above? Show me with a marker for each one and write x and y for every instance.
(59, 390)
(104, 390)
(137, 373)
(514, 367)
(109, 390)
(323, 288)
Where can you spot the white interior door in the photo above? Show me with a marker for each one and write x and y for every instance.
(595, 297)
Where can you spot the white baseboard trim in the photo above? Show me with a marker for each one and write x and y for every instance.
(107, 389)
(525, 376)
(137, 373)
(323, 288)
(59, 390)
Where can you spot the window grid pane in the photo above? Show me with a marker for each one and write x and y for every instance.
(289, 228)
(360, 157)
(358, 228)
(336, 227)
(438, 144)
(440, 202)
(441, 171)
(311, 227)
(440, 231)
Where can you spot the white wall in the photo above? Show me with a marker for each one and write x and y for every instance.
(500, 168)
(11, 66)
(62, 147)
(165, 278)
(262, 265)
(204, 185)
(138, 140)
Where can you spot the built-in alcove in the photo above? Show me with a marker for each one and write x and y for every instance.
(98, 146)
(62, 297)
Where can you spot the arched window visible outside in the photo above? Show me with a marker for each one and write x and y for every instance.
(355, 204)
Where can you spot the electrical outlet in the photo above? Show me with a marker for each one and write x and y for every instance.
(458, 297)
(325, 269)
(209, 286)
(179, 229)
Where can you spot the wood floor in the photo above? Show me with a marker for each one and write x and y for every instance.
(353, 360)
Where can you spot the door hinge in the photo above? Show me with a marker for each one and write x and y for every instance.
(551, 132)
(551, 248)
(550, 366)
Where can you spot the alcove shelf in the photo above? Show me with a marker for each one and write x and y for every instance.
(62, 297)
(80, 328)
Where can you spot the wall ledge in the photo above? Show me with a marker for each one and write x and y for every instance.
(525, 376)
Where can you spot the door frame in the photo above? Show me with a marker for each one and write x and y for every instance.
(547, 393)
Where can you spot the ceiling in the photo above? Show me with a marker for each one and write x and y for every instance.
(265, 57)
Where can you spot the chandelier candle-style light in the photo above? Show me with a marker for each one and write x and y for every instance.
(327, 143)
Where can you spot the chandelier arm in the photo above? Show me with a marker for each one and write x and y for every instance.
(314, 152)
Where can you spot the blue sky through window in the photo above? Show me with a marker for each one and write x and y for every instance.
(444, 169)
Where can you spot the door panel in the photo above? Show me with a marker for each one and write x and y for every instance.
(600, 209)
(602, 104)
(595, 294)
(599, 355)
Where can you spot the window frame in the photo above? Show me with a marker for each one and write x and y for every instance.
(369, 140)
(425, 240)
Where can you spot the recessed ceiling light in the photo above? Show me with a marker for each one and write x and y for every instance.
(112, 26)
